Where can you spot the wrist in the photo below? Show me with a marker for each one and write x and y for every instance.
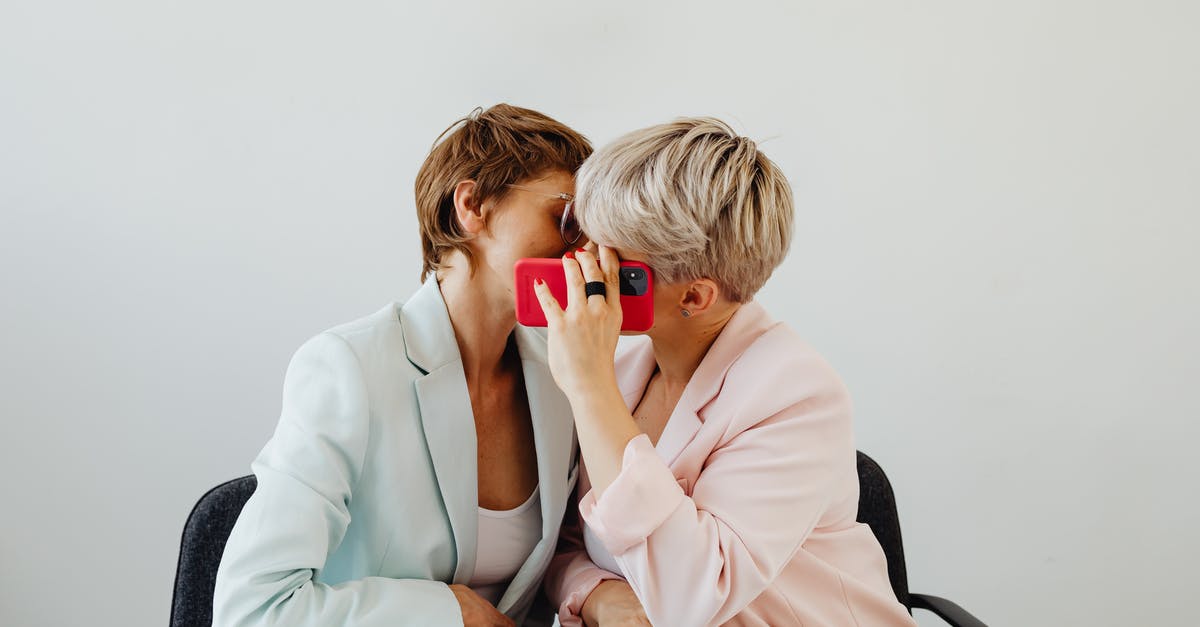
(593, 606)
(595, 395)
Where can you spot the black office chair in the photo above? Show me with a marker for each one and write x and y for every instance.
(212, 519)
(877, 508)
(204, 537)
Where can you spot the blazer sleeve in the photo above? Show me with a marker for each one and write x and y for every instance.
(300, 511)
(701, 559)
(572, 575)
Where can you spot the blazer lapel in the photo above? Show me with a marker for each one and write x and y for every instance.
(446, 417)
(681, 428)
(634, 366)
(554, 440)
(747, 324)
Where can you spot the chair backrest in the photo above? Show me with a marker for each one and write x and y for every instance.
(877, 508)
(200, 550)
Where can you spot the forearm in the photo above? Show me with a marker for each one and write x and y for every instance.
(266, 574)
(360, 602)
(604, 426)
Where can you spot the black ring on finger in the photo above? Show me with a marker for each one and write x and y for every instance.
(595, 288)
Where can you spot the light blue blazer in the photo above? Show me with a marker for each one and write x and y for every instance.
(367, 503)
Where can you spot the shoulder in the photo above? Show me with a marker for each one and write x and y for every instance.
(369, 330)
(779, 371)
(358, 348)
(340, 380)
(780, 355)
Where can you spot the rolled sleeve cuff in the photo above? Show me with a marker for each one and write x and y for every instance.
(640, 499)
(571, 610)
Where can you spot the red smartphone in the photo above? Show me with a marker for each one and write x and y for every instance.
(637, 292)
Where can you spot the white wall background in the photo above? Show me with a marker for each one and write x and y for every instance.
(997, 247)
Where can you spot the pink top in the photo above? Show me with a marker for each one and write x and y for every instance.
(744, 512)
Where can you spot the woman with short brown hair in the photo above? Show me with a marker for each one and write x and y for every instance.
(422, 461)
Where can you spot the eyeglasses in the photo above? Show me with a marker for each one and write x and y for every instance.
(568, 228)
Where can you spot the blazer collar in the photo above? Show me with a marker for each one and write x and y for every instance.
(637, 365)
(446, 417)
(429, 337)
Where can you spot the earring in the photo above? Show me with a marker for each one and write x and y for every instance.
(685, 313)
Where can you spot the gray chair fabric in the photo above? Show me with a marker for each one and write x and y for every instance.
(877, 508)
(200, 550)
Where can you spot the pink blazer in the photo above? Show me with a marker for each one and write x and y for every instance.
(744, 512)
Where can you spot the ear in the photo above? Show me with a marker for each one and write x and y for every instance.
(467, 208)
(700, 296)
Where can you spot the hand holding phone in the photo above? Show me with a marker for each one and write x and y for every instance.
(637, 292)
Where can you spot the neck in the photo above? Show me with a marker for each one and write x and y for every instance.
(681, 347)
(482, 314)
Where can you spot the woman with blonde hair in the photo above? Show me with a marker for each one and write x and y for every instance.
(720, 484)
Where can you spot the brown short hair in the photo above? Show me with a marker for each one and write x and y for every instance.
(495, 147)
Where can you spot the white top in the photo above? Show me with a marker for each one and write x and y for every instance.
(597, 553)
(505, 541)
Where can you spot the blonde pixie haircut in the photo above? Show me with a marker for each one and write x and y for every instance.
(694, 198)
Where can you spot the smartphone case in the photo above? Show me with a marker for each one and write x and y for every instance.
(637, 295)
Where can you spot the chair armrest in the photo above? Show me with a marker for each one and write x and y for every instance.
(947, 610)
